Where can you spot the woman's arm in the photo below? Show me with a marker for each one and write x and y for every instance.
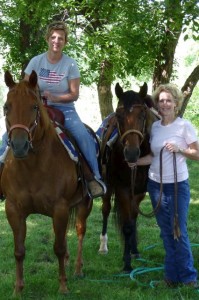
(145, 160)
(71, 96)
(142, 161)
(192, 152)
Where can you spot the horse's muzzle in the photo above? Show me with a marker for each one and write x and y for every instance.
(131, 154)
(20, 147)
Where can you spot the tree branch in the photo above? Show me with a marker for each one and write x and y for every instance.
(188, 88)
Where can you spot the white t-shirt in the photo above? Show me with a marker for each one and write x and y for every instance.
(180, 132)
(54, 77)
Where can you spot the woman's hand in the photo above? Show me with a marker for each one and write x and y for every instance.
(172, 147)
(49, 96)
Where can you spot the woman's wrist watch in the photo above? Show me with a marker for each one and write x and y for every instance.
(180, 150)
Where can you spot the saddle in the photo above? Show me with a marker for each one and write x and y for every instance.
(84, 172)
(55, 115)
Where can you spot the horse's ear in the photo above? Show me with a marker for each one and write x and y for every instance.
(118, 90)
(33, 79)
(143, 90)
(149, 101)
(9, 80)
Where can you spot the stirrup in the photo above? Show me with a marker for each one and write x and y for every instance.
(96, 188)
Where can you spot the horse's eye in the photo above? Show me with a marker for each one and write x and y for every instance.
(5, 109)
(142, 116)
(36, 107)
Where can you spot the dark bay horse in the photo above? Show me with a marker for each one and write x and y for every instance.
(132, 120)
(39, 177)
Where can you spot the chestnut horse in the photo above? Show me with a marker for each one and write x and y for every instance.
(39, 177)
(133, 120)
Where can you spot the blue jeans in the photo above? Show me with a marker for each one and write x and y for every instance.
(179, 264)
(83, 139)
(3, 143)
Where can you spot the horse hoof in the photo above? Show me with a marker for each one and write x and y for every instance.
(103, 252)
(79, 276)
(64, 291)
(127, 270)
(135, 255)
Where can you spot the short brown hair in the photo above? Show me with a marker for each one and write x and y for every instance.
(57, 25)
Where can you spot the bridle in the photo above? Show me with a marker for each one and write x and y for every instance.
(132, 131)
(29, 131)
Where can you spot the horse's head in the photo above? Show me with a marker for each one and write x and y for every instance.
(131, 114)
(21, 111)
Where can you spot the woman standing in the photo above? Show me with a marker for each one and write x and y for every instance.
(172, 135)
(59, 81)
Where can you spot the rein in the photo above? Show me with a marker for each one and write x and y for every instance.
(133, 176)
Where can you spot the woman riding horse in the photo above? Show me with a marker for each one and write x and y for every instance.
(39, 177)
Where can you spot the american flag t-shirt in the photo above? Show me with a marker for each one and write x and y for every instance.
(50, 76)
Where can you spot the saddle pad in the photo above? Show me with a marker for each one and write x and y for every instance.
(101, 131)
(68, 145)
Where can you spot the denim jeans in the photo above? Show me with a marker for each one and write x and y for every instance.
(179, 264)
(83, 139)
(3, 145)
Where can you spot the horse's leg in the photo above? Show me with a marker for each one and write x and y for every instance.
(106, 208)
(130, 213)
(127, 229)
(82, 212)
(18, 225)
(67, 255)
(60, 221)
(127, 222)
(134, 249)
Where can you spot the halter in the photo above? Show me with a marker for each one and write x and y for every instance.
(21, 126)
(132, 131)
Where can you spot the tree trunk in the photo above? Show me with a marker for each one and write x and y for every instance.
(188, 88)
(173, 26)
(104, 89)
(24, 42)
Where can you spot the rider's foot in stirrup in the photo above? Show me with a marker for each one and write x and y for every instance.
(96, 188)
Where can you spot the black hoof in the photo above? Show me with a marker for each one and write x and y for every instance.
(127, 270)
(135, 255)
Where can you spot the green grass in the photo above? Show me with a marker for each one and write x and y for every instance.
(103, 278)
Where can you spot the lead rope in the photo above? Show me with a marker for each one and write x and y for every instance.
(133, 176)
(177, 232)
